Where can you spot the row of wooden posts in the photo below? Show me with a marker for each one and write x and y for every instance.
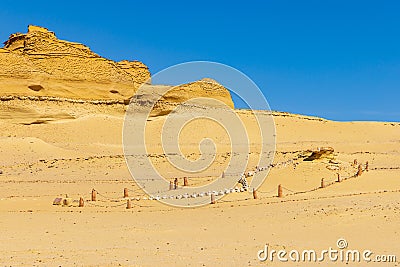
(94, 197)
(323, 185)
(174, 185)
(255, 195)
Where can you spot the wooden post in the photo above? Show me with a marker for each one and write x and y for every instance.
(171, 185)
(176, 183)
(126, 194)
(366, 166)
(359, 172)
(185, 181)
(81, 202)
(223, 175)
(94, 193)
(128, 204)
(66, 202)
(280, 193)
(322, 183)
(338, 178)
(212, 198)
(255, 193)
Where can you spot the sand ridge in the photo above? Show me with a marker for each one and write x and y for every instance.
(39, 164)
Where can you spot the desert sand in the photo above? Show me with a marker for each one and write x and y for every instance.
(69, 145)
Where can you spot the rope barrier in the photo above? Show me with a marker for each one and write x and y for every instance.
(289, 189)
(166, 193)
(268, 192)
(223, 193)
(106, 197)
(204, 194)
(106, 206)
(385, 168)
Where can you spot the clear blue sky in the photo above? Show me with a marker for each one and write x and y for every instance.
(335, 59)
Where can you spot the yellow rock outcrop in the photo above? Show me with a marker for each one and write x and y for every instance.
(39, 64)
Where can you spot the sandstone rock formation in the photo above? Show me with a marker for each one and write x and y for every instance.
(40, 67)
(204, 92)
(321, 153)
(39, 64)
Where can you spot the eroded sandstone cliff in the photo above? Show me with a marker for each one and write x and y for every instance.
(39, 64)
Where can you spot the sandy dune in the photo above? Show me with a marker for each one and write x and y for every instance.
(50, 149)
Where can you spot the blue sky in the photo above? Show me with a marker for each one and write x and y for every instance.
(335, 59)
